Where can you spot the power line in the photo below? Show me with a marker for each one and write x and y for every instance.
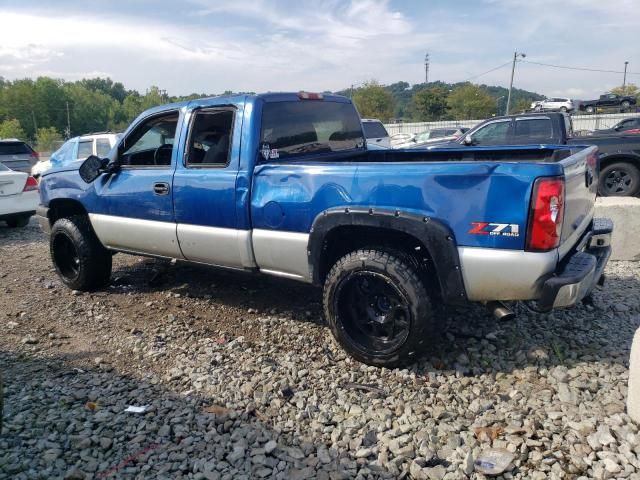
(488, 71)
(577, 68)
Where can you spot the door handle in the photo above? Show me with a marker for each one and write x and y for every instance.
(161, 188)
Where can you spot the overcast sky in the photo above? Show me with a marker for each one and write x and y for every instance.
(259, 45)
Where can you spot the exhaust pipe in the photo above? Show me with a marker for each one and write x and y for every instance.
(500, 311)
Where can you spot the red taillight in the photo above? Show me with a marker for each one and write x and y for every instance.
(545, 217)
(32, 184)
(35, 155)
(310, 96)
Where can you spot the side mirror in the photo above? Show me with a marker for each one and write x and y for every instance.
(467, 140)
(92, 168)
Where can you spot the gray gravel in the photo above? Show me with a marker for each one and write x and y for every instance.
(241, 379)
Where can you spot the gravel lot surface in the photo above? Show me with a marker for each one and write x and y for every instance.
(241, 379)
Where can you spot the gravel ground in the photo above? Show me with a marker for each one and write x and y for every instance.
(241, 379)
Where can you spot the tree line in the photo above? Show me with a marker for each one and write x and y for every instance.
(46, 110)
(436, 101)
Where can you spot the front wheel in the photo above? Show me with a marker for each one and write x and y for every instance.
(563, 109)
(590, 109)
(625, 105)
(619, 179)
(378, 308)
(80, 259)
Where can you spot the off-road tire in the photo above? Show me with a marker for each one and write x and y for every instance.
(18, 222)
(91, 265)
(402, 274)
(629, 171)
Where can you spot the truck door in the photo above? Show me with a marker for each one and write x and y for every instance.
(134, 207)
(205, 191)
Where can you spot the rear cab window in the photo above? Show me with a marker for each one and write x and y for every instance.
(299, 128)
(374, 130)
(14, 148)
(536, 129)
(85, 148)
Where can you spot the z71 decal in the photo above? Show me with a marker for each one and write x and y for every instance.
(500, 229)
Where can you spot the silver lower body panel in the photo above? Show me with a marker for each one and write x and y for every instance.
(496, 274)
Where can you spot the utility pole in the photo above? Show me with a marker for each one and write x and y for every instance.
(351, 91)
(68, 122)
(35, 125)
(624, 80)
(426, 67)
(513, 71)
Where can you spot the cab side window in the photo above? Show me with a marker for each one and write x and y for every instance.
(210, 138)
(495, 133)
(150, 144)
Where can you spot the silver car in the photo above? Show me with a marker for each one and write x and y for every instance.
(555, 104)
(17, 155)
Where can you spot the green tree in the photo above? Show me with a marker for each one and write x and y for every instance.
(374, 101)
(429, 104)
(469, 102)
(47, 138)
(628, 89)
(521, 105)
(12, 129)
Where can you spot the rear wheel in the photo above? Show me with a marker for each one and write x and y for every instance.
(619, 179)
(625, 105)
(80, 259)
(378, 308)
(563, 109)
(21, 221)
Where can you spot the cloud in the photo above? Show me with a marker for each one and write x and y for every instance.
(259, 45)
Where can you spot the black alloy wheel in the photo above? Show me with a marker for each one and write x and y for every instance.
(378, 308)
(619, 179)
(374, 312)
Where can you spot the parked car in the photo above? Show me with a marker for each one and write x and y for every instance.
(622, 102)
(375, 132)
(619, 155)
(433, 135)
(555, 104)
(18, 197)
(627, 125)
(284, 184)
(77, 148)
(17, 155)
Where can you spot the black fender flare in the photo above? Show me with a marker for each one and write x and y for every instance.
(436, 237)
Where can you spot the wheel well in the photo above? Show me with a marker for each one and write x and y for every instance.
(619, 158)
(63, 208)
(344, 239)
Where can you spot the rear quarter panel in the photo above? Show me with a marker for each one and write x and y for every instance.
(288, 196)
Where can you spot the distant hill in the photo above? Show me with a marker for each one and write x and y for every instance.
(403, 92)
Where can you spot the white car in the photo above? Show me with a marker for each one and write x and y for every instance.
(375, 133)
(19, 197)
(400, 138)
(78, 148)
(435, 135)
(553, 105)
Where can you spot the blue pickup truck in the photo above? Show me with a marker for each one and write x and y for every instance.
(283, 184)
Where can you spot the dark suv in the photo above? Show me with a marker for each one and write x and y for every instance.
(17, 155)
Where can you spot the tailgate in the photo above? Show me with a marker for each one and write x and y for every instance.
(581, 186)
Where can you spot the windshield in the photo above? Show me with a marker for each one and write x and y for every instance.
(308, 127)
